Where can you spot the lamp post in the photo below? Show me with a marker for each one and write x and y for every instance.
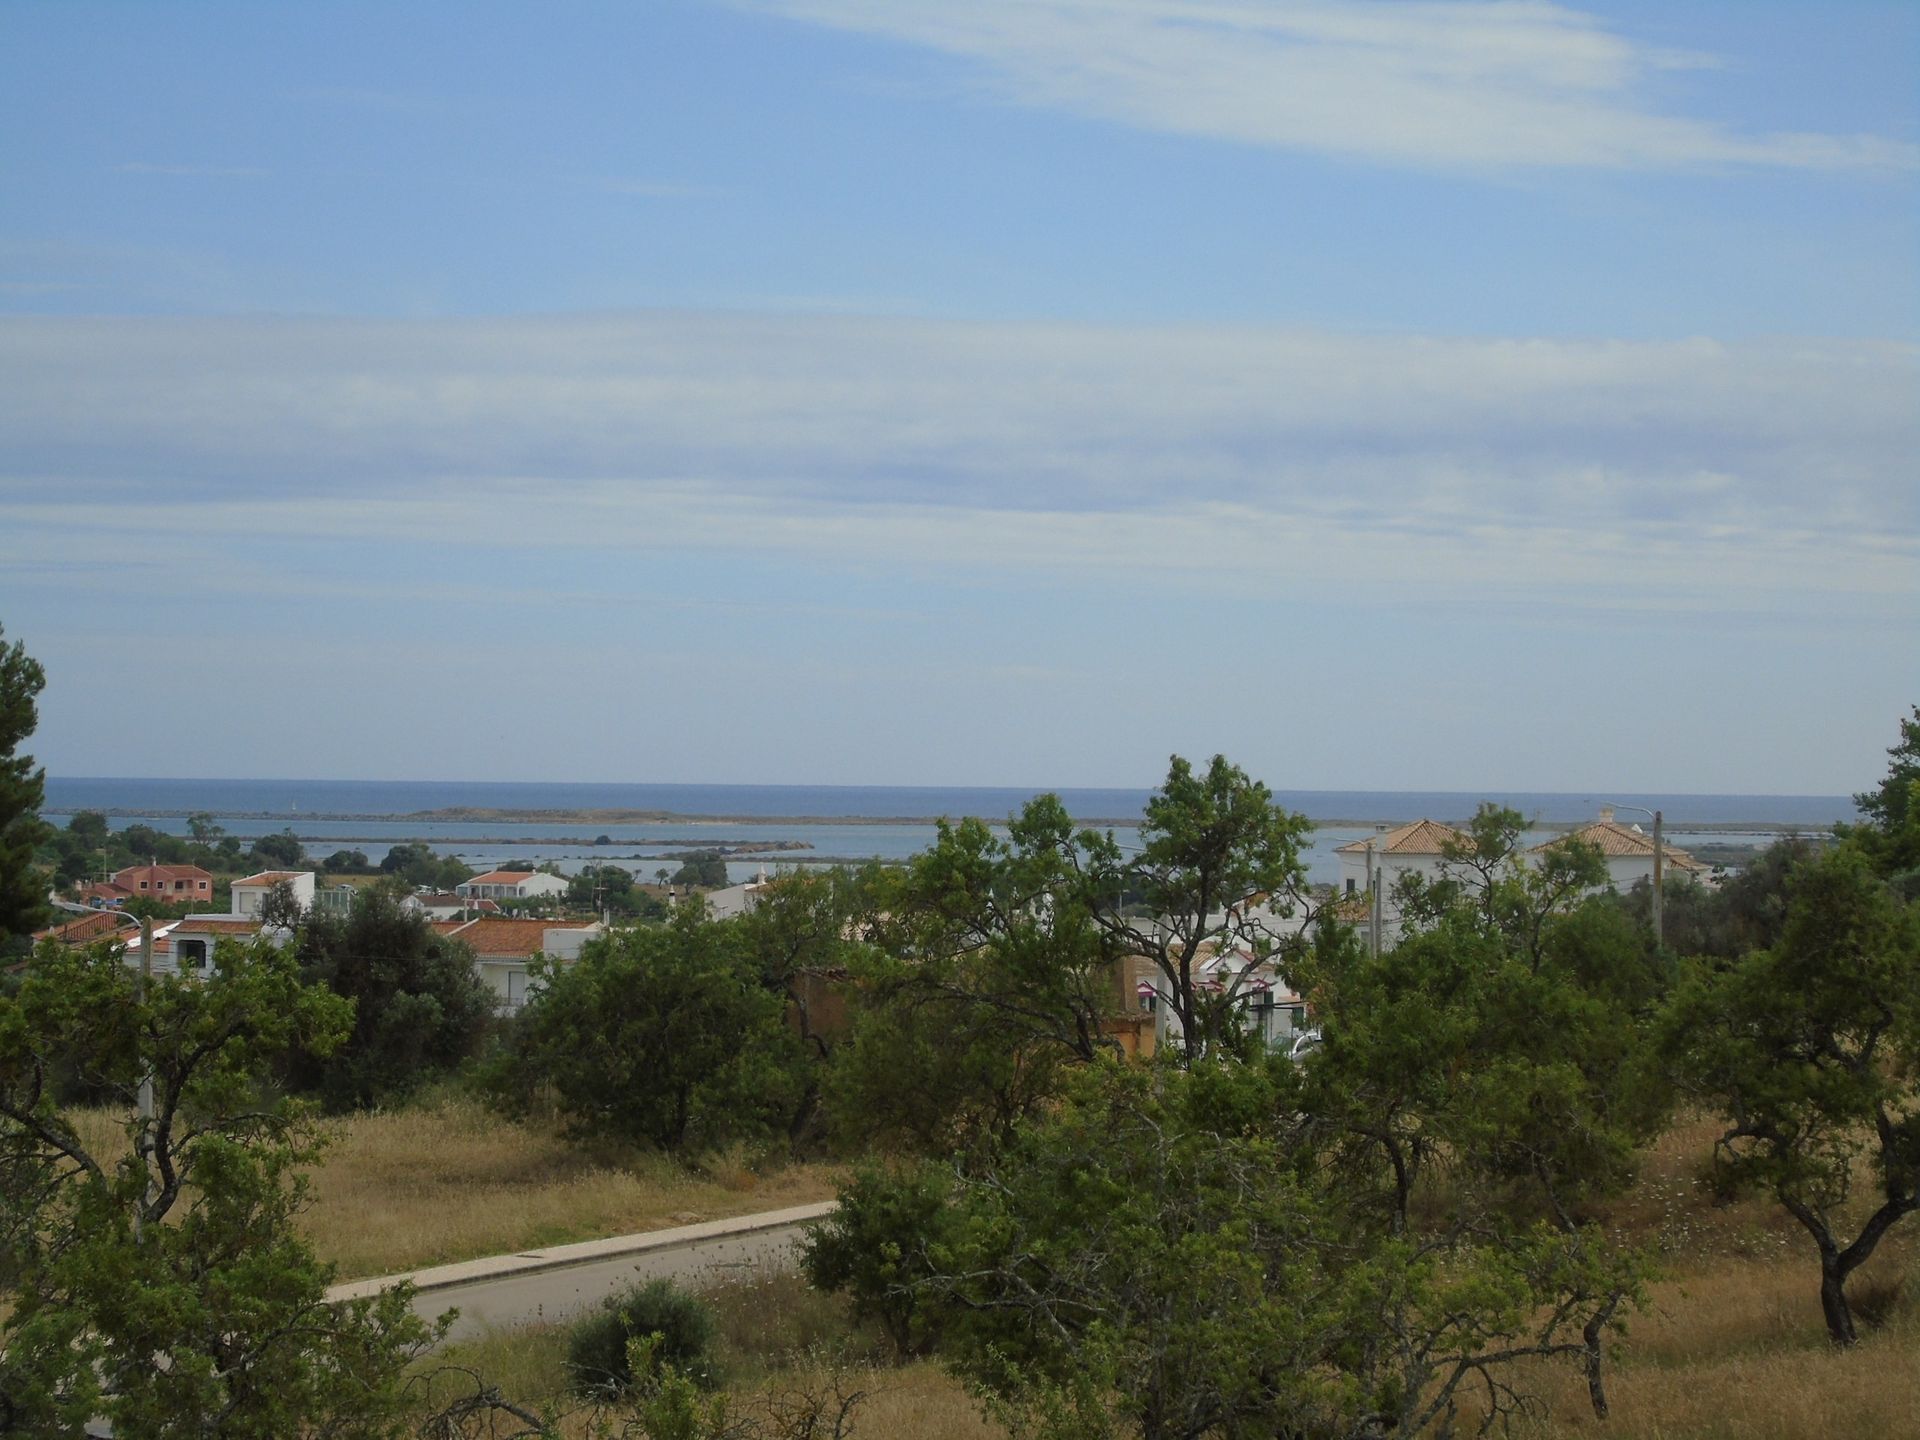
(1658, 866)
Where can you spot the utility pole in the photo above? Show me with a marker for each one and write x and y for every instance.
(144, 1145)
(1373, 907)
(1658, 867)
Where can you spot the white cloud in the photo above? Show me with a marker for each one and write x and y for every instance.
(1697, 475)
(1484, 83)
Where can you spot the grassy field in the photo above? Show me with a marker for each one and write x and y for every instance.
(447, 1180)
(450, 1181)
(1731, 1347)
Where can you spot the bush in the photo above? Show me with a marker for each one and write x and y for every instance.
(598, 1355)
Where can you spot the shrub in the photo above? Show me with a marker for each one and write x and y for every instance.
(598, 1356)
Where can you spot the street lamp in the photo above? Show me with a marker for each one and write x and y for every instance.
(1658, 857)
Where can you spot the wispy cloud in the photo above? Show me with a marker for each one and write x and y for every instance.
(1458, 465)
(1480, 83)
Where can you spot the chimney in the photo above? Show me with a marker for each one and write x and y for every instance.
(1606, 814)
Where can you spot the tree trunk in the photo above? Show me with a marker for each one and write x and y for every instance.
(1595, 1360)
(1833, 1301)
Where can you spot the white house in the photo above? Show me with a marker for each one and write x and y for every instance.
(736, 899)
(511, 885)
(1373, 866)
(1268, 1006)
(1629, 851)
(194, 938)
(450, 907)
(503, 948)
(249, 894)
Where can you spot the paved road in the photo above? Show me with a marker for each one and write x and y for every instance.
(558, 1283)
(546, 1295)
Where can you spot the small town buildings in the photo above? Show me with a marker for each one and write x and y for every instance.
(193, 940)
(249, 894)
(503, 948)
(448, 906)
(81, 930)
(170, 883)
(511, 885)
(1628, 850)
(1376, 862)
(735, 900)
(1269, 1007)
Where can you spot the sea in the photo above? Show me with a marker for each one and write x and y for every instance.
(819, 824)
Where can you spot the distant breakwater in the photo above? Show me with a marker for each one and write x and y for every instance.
(464, 815)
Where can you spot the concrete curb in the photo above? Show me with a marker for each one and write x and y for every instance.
(586, 1252)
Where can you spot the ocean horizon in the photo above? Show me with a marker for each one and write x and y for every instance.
(320, 799)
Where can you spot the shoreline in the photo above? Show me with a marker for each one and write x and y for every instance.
(471, 816)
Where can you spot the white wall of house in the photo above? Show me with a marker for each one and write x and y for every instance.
(247, 899)
(526, 887)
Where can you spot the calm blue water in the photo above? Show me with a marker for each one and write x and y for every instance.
(313, 798)
(314, 810)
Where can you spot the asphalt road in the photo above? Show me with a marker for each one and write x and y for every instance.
(539, 1296)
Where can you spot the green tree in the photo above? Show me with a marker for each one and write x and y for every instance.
(987, 976)
(1218, 865)
(1891, 832)
(420, 1009)
(807, 935)
(610, 888)
(282, 851)
(705, 868)
(204, 829)
(416, 863)
(1811, 1049)
(23, 889)
(657, 1034)
(186, 1245)
(1162, 1253)
(89, 827)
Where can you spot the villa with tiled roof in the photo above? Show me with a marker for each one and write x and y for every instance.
(1628, 849)
(511, 885)
(1392, 851)
(503, 947)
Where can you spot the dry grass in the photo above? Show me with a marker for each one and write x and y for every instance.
(448, 1180)
(776, 1341)
(1732, 1346)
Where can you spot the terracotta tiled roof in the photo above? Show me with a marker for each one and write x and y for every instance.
(500, 936)
(272, 877)
(500, 877)
(217, 925)
(1419, 837)
(457, 902)
(85, 929)
(1615, 839)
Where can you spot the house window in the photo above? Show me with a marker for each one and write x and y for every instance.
(143, 884)
(1350, 884)
(193, 954)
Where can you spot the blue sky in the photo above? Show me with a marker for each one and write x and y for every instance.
(1503, 395)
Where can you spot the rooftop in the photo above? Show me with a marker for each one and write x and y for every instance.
(273, 877)
(1615, 839)
(1418, 837)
